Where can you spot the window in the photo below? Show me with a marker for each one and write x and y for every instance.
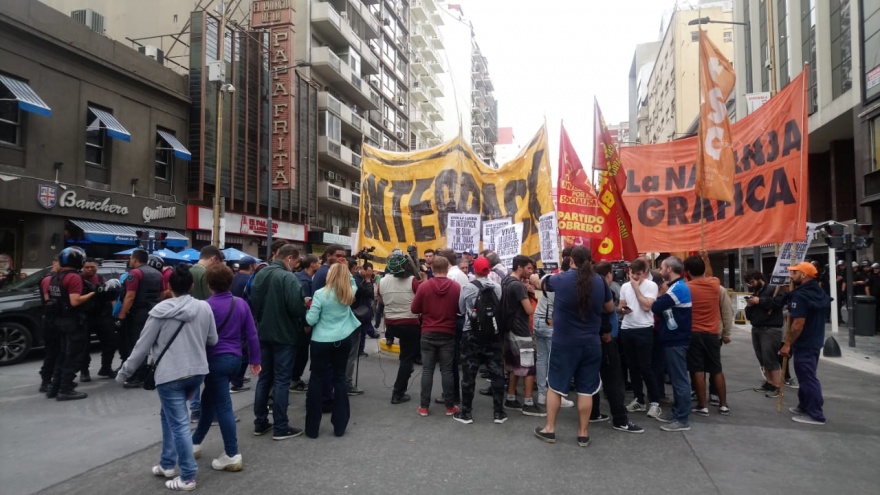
(808, 46)
(695, 36)
(871, 50)
(841, 49)
(10, 118)
(728, 36)
(330, 125)
(164, 159)
(97, 151)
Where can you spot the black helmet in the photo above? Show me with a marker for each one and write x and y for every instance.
(875, 266)
(72, 257)
(156, 261)
(396, 264)
(866, 263)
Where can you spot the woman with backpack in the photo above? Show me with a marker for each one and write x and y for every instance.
(175, 335)
(332, 322)
(396, 292)
(235, 323)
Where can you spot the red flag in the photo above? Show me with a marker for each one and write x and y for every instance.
(715, 163)
(617, 240)
(576, 201)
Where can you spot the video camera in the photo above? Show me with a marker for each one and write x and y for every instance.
(366, 253)
(618, 271)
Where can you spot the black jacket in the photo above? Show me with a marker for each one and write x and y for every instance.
(768, 312)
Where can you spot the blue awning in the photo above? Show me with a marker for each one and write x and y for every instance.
(180, 150)
(112, 233)
(28, 99)
(106, 120)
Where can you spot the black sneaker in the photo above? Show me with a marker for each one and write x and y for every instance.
(299, 387)
(107, 373)
(500, 417)
(513, 404)
(262, 430)
(765, 387)
(600, 418)
(85, 377)
(441, 400)
(629, 427)
(584, 441)
(714, 400)
(534, 409)
(134, 384)
(463, 417)
(290, 433)
(547, 437)
(399, 399)
(72, 395)
(44, 387)
(51, 392)
(236, 390)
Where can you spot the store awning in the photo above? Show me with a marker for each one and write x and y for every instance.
(28, 99)
(106, 120)
(180, 150)
(112, 233)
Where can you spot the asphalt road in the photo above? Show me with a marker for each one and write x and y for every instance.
(107, 444)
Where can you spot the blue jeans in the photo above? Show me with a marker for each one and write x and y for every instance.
(543, 336)
(195, 406)
(176, 436)
(216, 401)
(676, 363)
(276, 374)
(335, 356)
(810, 391)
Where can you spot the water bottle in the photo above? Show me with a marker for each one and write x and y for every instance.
(670, 319)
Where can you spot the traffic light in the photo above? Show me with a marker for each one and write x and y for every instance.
(863, 238)
(143, 238)
(161, 242)
(834, 235)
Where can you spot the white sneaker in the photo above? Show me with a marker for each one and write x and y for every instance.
(168, 473)
(197, 450)
(179, 485)
(654, 410)
(635, 406)
(565, 402)
(226, 463)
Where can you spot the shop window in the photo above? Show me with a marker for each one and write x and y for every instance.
(10, 118)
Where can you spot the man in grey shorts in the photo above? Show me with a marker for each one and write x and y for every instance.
(764, 311)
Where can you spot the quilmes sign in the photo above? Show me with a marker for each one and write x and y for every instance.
(159, 213)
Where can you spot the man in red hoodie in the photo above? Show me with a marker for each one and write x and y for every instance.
(437, 301)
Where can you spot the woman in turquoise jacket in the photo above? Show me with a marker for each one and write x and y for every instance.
(332, 323)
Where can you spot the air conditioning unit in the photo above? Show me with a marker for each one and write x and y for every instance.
(399, 134)
(153, 52)
(385, 122)
(90, 18)
(401, 101)
(344, 15)
(330, 175)
(336, 229)
(357, 186)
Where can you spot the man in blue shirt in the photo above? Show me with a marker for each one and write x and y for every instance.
(673, 306)
(807, 306)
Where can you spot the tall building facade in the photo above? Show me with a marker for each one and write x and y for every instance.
(469, 102)
(427, 65)
(93, 141)
(839, 40)
(673, 86)
(639, 74)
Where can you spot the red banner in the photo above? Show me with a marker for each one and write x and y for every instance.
(770, 186)
(576, 201)
(617, 241)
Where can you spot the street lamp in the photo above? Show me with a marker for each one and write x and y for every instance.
(272, 70)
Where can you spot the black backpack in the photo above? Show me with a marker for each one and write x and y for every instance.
(484, 317)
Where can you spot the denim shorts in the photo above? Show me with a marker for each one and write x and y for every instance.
(580, 362)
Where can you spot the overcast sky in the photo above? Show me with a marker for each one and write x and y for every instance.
(549, 58)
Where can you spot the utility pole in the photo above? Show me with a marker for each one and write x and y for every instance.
(218, 163)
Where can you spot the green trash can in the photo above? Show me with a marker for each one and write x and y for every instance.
(865, 313)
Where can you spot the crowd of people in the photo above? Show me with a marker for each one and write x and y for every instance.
(192, 332)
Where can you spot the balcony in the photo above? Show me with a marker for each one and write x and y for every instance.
(372, 24)
(438, 66)
(338, 157)
(419, 67)
(331, 67)
(327, 21)
(429, 54)
(417, 37)
(417, 92)
(437, 88)
(337, 195)
(437, 18)
(431, 105)
(418, 10)
(437, 41)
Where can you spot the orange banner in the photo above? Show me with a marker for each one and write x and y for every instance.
(770, 186)
(715, 166)
(617, 242)
(576, 202)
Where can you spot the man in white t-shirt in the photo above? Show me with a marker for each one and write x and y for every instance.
(637, 337)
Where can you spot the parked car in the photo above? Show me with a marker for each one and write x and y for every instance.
(21, 309)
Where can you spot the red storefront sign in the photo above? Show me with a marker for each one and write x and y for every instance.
(201, 218)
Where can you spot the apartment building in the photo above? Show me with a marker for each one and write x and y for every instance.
(427, 64)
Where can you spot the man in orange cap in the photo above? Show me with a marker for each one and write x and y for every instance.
(807, 306)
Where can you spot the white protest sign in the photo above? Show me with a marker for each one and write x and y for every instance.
(780, 271)
(463, 232)
(508, 243)
(490, 228)
(549, 235)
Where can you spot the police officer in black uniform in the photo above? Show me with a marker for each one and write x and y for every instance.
(98, 320)
(142, 288)
(64, 309)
